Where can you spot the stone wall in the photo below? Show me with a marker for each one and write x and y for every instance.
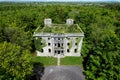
(72, 46)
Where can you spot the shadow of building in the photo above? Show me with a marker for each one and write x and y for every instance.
(38, 71)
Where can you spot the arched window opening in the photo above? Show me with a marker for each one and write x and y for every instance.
(58, 44)
(48, 38)
(58, 51)
(48, 44)
(68, 44)
(75, 43)
(49, 50)
(41, 43)
(68, 50)
(62, 51)
(55, 51)
(42, 50)
(75, 50)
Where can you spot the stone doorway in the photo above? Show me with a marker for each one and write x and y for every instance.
(58, 46)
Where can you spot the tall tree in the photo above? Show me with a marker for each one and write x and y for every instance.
(15, 64)
(18, 36)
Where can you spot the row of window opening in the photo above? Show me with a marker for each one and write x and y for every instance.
(49, 50)
(59, 44)
(75, 50)
(42, 50)
(69, 44)
(59, 38)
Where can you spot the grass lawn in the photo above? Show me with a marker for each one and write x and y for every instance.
(71, 61)
(47, 61)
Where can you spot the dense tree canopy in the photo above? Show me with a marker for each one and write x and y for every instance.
(18, 36)
(15, 64)
(101, 45)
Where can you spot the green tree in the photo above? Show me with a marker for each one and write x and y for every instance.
(104, 50)
(18, 36)
(15, 64)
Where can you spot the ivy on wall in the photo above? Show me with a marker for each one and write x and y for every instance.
(71, 44)
(78, 41)
(39, 43)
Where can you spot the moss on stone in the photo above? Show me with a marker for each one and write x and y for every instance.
(61, 29)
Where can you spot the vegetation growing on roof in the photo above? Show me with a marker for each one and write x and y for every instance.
(101, 46)
(61, 29)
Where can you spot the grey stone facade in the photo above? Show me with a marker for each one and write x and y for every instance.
(64, 44)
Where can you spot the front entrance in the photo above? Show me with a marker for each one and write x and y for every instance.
(58, 46)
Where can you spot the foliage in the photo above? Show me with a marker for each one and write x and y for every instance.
(57, 28)
(100, 23)
(45, 60)
(14, 63)
(17, 36)
(39, 43)
(71, 44)
(78, 41)
(102, 48)
(71, 61)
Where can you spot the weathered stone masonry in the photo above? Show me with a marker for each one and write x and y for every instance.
(65, 42)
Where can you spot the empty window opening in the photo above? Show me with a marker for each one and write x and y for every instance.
(55, 44)
(68, 44)
(48, 44)
(68, 50)
(42, 50)
(75, 50)
(58, 38)
(55, 51)
(62, 44)
(59, 52)
(48, 38)
(41, 43)
(58, 44)
(62, 51)
(75, 43)
(49, 50)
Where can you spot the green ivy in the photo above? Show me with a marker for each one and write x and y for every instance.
(71, 44)
(39, 43)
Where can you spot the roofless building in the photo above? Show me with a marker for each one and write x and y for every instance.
(58, 39)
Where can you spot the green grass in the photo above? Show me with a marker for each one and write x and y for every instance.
(71, 61)
(48, 61)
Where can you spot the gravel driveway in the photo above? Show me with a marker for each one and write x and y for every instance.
(63, 73)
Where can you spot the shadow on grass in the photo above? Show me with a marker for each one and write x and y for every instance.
(38, 71)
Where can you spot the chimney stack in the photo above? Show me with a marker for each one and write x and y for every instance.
(48, 22)
(69, 21)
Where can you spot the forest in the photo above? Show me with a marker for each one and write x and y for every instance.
(101, 45)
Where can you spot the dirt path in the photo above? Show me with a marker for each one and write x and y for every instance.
(58, 60)
(63, 73)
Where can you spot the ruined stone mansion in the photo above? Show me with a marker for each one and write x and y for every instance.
(58, 39)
